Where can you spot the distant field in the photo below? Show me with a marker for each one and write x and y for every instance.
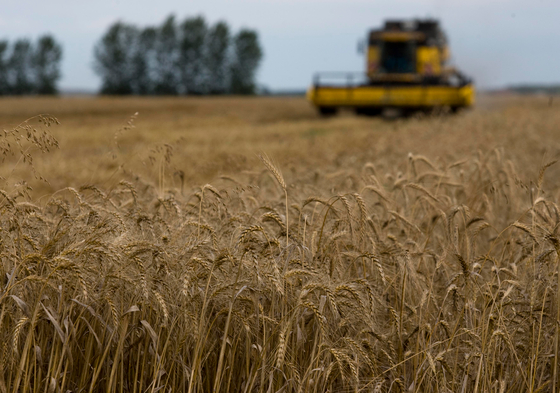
(249, 245)
(215, 136)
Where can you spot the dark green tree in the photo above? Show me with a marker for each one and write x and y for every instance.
(246, 59)
(191, 64)
(169, 59)
(167, 52)
(144, 65)
(46, 65)
(113, 59)
(4, 66)
(217, 59)
(20, 70)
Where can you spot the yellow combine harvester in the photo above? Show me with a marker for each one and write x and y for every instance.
(406, 69)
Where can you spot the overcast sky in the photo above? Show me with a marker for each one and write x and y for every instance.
(498, 42)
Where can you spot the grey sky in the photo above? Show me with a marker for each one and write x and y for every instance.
(499, 42)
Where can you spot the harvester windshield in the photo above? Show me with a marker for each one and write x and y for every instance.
(398, 57)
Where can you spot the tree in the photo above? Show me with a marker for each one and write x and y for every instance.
(171, 59)
(4, 66)
(167, 58)
(46, 65)
(247, 56)
(217, 59)
(144, 65)
(191, 65)
(113, 59)
(20, 75)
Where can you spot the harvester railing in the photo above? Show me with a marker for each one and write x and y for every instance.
(354, 79)
(339, 79)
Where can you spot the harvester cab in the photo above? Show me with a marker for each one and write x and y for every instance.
(406, 68)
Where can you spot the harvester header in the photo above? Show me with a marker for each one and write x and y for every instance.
(406, 68)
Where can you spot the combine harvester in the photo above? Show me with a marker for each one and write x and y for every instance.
(406, 70)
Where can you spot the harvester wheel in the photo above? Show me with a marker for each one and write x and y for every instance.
(328, 110)
(369, 111)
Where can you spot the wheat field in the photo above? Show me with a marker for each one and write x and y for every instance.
(248, 245)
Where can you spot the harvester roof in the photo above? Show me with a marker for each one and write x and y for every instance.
(425, 31)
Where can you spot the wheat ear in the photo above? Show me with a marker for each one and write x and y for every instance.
(278, 175)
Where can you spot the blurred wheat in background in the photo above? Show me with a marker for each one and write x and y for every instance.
(358, 256)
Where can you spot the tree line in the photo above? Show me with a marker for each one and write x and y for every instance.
(188, 57)
(30, 68)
